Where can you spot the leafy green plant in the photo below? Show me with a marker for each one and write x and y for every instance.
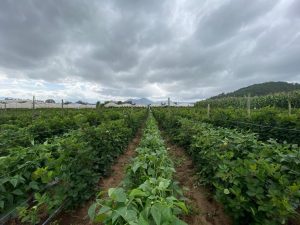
(149, 194)
(257, 182)
(67, 166)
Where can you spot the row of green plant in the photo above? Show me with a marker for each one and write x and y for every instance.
(149, 195)
(24, 117)
(266, 122)
(279, 100)
(257, 182)
(74, 161)
(49, 124)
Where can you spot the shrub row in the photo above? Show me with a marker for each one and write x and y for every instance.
(267, 123)
(149, 195)
(50, 124)
(257, 182)
(279, 100)
(75, 160)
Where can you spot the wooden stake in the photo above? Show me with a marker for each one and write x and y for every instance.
(33, 107)
(62, 106)
(208, 110)
(248, 106)
(33, 102)
(290, 107)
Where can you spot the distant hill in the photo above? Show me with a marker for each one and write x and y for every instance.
(261, 89)
(140, 101)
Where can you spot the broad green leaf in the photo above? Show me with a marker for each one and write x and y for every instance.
(142, 221)
(92, 211)
(34, 185)
(127, 214)
(104, 209)
(114, 217)
(14, 181)
(164, 184)
(135, 167)
(182, 206)
(137, 193)
(17, 192)
(156, 214)
(117, 194)
(166, 213)
(179, 222)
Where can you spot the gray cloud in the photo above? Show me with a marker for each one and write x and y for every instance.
(227, 20)
(183, 49)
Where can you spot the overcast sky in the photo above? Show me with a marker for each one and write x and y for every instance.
(116, 49)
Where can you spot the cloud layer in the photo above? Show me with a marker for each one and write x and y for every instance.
(184, 49)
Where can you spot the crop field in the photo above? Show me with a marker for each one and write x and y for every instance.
(55, 160)
(142, 112)
(118, 166)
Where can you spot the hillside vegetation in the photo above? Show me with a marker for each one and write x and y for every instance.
(261, 89)
(274, 94)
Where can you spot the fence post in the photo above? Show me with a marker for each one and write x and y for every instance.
(62, 107)
(33, 107)
(290, 107)
(33, 102)
(208, 110)
(248, 105)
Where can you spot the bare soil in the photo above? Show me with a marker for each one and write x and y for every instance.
(204, 209)
(80, 215)
(296, 219)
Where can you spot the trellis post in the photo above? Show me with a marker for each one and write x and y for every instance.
(249, 105)
(208, 110)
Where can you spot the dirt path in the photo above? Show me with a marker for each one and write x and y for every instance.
(204, 209)
(80, 215)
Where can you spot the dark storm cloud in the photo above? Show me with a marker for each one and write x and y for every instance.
(226, 21)
(183, 49)
(33, 31)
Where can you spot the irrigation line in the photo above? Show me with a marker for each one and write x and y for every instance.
(53, 183)
(253, 124)
(258, 125)
(54, 214)
(6, 217)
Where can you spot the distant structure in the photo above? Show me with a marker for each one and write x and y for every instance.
(112, 104)
(81, 102)
(50, 101)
